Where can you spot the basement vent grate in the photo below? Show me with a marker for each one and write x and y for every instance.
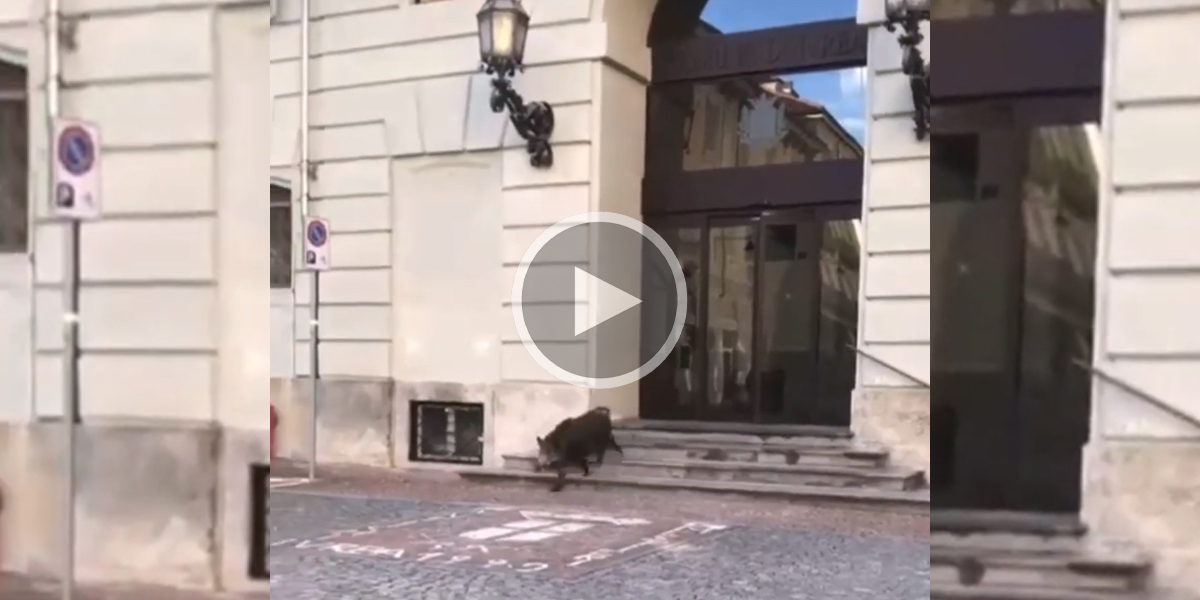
(260, 484)
(445, 432)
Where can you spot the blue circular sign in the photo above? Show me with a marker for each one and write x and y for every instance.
(317, 235)
(76, 150)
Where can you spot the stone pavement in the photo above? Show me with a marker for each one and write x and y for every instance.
(389, 534)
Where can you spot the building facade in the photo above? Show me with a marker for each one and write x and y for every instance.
(174, 338)
(1028, 263)
(1062, 201)
(407, 156)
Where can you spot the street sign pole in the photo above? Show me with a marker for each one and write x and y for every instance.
(73, 195)
(314, 365)
(70, 305)
(316, 259)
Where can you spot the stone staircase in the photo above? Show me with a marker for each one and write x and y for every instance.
(999, 566)
(816, 464)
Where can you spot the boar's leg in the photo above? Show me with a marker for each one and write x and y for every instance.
(561, 481)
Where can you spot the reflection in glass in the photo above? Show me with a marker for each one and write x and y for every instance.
(767, 120)
(732, 261)
(1013, 237)
(837, 361)
(658, 314)
(966, 9)
(1059, 200)
(789, 318)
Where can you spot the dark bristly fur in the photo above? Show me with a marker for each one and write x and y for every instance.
(575, 440)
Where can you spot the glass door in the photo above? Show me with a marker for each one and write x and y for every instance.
(789, 302)
(676, 389)
(1013, 235)
(772, 318)
(730, 318)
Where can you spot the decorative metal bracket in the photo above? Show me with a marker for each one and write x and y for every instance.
(913, 63)
(534, 121)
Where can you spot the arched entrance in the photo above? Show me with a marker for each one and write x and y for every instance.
(758, 188)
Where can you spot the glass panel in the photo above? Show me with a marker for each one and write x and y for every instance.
(837, 362)
(731, 267)
(789, 318)
(732, 16)
(1013, 234)
(965, 9)
(684, 385)
(974, 245)
(767, 120)
(1058, 206)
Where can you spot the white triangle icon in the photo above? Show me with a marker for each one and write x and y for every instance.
(610, 301)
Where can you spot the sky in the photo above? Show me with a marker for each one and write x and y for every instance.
(842, 91)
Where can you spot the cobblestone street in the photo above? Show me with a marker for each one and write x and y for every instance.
(422, 537)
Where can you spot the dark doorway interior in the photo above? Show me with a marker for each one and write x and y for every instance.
(1013, 237)
(771, 320)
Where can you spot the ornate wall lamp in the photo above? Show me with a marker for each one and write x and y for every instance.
(503, 25)
(908, 16)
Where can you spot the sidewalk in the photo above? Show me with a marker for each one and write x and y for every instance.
(17, 587)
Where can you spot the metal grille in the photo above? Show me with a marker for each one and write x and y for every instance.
(281, 237)
(14, 161)
(260, 481)
(448, 432)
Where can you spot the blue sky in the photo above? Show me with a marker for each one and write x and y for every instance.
(840, 91)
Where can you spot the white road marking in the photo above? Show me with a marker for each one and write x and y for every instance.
(591, 518)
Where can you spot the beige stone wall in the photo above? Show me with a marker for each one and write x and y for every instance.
(405, 144)
(1142, 478)
(891, 403)
(174, 318)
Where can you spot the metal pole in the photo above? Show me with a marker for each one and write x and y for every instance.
(314, 361)
(305, 173)
(70, 356)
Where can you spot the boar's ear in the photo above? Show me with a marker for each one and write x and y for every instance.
(541, 442)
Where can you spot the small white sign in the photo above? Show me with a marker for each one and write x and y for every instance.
(76, 182)
(316, 244)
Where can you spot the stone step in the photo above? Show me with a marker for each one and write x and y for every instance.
(731, 428)
(960, 592)
(916, 501)
(1064, 564)
(705, 470)
(670, 439)
(732, 447)
(776, 453)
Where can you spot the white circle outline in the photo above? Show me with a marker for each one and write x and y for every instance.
(600, 383)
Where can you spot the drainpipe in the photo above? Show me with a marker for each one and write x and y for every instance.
(305, 173)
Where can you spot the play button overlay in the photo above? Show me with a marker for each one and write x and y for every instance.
(599, 300)
(611, 301)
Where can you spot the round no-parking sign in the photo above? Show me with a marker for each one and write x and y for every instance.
(316, 244)
(76, 170)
